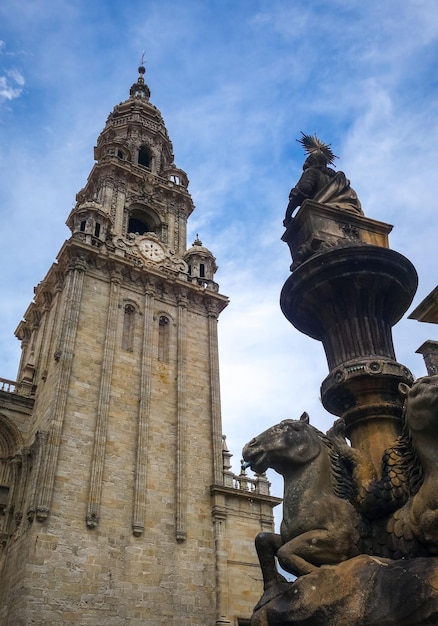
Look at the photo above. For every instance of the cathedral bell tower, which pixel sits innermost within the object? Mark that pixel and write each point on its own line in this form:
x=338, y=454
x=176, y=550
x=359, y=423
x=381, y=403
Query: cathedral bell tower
x=135, y=195
x=118, y=501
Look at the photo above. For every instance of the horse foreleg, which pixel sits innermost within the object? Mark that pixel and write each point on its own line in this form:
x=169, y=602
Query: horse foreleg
x=267, y=546
x=305, y=553
x=294, y=563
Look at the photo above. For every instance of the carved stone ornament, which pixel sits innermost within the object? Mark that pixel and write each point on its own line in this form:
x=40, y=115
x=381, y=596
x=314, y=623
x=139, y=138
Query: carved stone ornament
x=92, y=520
x=318, y=227
x=149, y=249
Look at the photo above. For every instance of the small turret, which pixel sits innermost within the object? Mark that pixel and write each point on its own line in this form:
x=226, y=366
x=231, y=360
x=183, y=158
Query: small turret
x=88, y=221
x=202, y=264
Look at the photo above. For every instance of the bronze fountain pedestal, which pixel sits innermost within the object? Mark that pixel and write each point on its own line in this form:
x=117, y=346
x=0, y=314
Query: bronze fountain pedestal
x=347, y=290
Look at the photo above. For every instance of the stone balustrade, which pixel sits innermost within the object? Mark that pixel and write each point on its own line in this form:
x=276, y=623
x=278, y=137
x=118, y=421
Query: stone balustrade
x=7, y=385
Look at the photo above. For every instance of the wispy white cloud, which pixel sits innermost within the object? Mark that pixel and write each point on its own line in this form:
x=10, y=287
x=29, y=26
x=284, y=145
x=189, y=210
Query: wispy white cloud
x=11, y=85
x=11, y=79
x=10, y=88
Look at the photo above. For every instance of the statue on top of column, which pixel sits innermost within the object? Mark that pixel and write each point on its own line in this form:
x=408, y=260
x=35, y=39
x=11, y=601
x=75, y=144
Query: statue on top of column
x=321, y=183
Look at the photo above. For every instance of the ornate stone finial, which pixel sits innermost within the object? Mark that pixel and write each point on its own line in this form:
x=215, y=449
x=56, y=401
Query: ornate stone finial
x=197, y=241
x=228, y=474
x=140, y=89
x=226, y=454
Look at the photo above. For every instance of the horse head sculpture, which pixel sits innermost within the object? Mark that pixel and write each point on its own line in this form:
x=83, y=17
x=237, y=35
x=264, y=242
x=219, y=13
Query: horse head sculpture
x=283, y=446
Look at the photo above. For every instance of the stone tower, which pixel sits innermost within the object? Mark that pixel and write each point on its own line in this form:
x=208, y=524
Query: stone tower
x=118, y=501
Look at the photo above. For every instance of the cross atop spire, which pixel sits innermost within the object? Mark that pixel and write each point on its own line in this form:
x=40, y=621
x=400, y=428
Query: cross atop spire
x=140, y=89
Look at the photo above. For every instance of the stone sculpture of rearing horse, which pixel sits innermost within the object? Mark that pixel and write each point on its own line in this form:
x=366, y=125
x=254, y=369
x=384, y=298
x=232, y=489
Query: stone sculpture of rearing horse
x=319, y=525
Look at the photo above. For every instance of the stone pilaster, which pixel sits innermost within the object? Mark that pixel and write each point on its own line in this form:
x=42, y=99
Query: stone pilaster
x=219, y=526
x=100, y=435
x=22, y=486
x=215, y=402
x=13, y=495
x=181, y=422
x=39, y=365
x=39, y=449
x=140, y=487
x=64, y=355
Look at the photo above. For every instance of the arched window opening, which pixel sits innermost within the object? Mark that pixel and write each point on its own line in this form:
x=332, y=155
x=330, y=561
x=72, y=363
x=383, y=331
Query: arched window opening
x=4, y=497
x=190, y=270
x=120, y=154
x=136, y=225
x=128, y=328
x=175, y=179
x=201, y=270
x=163, y=338
x=142, y=219
x=144, y=156
x=83, y=225
x=97, y=229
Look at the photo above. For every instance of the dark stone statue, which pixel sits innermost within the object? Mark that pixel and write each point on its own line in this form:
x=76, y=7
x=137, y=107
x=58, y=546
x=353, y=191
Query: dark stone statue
x=359, y=546
x=320, y=182
x=315, y=499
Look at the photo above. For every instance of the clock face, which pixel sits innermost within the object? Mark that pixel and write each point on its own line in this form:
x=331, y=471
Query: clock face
x=151, y=250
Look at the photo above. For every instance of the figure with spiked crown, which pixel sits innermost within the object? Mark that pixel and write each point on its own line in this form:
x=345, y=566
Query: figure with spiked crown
x=321, y=183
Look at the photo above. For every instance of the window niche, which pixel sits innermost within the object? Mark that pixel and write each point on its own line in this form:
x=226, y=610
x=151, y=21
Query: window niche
x=145, y=156
x=163, y=338
x=128, y=327
x=4, y=497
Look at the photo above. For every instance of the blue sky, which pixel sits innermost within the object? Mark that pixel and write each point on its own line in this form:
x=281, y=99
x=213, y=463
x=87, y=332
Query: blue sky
x=236, y=82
